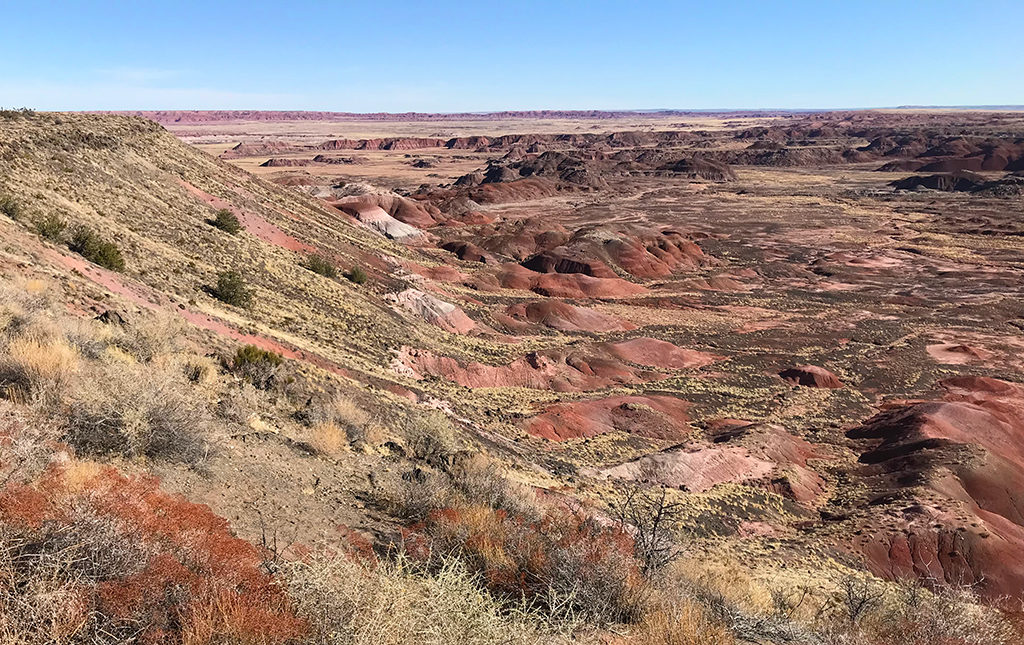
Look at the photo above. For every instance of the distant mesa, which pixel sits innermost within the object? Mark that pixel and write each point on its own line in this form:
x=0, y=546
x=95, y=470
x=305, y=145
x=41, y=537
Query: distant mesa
x=279, y=162
x=958, y=181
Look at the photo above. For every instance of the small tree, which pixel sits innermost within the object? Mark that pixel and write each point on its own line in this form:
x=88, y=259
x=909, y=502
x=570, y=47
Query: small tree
x=357, y=275
x=226, y=221
x=319, y=264
x=95, y=249
x=231, y=289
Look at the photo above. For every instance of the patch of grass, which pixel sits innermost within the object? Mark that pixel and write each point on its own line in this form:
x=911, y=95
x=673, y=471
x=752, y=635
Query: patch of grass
x=320, y=264
x=226, y=221
x=51, y=227
x=231, y=289
x=87, y=243
x=357, y=275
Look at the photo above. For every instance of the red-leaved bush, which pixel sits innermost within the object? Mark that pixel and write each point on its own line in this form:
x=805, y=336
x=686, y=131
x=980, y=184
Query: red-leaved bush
x=565, y=557
x=130, y=561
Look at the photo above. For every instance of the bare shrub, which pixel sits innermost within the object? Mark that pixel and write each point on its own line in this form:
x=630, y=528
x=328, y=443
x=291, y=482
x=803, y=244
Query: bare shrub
x=949, y=614
x=138, y=412
x=148, y=339
x=651, y=517
x=432, y=439
x=242, y=404
x=866, y=612
x=482, y=481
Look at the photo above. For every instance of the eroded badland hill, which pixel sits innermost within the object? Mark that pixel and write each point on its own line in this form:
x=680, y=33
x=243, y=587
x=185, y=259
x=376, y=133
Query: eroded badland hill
x=542, y=378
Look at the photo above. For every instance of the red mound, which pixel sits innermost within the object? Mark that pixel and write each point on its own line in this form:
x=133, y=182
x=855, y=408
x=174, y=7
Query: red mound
x=694, y=468
x=521, y=239
x=652, y=352
x=565, y=317
x=656, y=255
x=811, y=376
x=279, y=162
x=561, y=369
x=657, y=417
x=405, y=210
x=520, y=190
x=566, y=285
x=562, y=260
x=469, y=252
x=969, y=450
x=791, y=475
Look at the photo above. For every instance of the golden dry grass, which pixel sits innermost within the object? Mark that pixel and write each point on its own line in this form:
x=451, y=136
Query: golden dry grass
x=347, y=412
x=729, y=579
x=328, y=438
x=680, y=622
x=34, y=367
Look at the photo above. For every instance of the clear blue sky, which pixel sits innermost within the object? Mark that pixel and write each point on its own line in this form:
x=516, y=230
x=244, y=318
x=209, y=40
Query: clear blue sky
x=484, y=55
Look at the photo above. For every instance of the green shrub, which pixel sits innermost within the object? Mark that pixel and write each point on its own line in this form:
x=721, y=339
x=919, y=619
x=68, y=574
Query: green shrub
x=320, y=264
x=95, y=249
x=226, y=221
x=18, y=113
x=257, y=365
x=231, y=289
x=10, y=207
x=357, y=275
x=51, y=227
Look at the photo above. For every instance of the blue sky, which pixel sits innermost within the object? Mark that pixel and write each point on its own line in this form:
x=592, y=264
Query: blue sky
x=478, y=56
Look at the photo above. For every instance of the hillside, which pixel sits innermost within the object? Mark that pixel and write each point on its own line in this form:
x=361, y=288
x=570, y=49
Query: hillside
x=615, y=388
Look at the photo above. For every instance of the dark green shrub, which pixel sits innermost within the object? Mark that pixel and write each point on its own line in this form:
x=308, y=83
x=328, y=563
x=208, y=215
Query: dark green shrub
x=51, y=227
x=95, y=249
x=226, y=221
x=232, y=290
x=320, y=264
x=357, y=275
x=11, y=207
x=257, y=365
x=18, y=113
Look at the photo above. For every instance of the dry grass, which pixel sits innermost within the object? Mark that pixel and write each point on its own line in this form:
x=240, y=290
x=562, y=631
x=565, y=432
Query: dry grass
x=328, y=438
x=346, y=412
x=37, y=368
x=680, y=621
x=357, y=428
x=397, y=603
